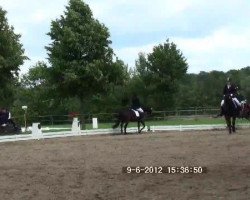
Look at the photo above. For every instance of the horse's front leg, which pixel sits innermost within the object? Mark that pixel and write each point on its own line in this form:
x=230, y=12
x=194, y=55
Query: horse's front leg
x=138, y=125
x=233, y=124
x=143, y=126
x=228, y=121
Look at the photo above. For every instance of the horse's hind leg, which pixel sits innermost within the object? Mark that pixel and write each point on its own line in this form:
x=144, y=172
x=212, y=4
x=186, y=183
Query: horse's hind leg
x=121, y=127
x=138, y=125
x=230, y=129
x=233, y=129
x=125, y=128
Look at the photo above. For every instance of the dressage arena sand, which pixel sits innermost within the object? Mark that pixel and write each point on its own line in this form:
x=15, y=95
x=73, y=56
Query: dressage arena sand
x=90, y=167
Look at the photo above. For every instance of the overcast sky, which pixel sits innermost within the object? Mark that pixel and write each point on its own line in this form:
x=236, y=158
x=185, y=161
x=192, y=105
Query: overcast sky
x=212, y=35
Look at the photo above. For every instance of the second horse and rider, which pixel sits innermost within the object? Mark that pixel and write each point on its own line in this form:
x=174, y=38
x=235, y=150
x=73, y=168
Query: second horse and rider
x=231, y=89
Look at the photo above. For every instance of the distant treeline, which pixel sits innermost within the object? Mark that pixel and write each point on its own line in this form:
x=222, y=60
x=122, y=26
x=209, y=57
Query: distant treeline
x=192, y=91
x=205, y=89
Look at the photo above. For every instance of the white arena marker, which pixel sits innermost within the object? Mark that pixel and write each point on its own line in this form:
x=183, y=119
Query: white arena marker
x=95, y=123
x=76, y=126
x=37, y=131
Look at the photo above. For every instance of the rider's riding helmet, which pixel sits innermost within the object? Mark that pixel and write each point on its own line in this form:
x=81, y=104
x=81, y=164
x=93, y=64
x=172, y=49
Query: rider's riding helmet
x=229, y=79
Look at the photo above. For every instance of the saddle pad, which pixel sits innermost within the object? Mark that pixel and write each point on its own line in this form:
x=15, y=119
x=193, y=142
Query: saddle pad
x=136, y=113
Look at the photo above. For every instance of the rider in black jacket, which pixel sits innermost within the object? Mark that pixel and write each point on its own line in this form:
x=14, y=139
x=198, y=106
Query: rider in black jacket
x=230, y=89
x=136, y=105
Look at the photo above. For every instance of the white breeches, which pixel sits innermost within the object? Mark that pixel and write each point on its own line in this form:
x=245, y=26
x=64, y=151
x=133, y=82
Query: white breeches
x=140, y=109
x=234, y=99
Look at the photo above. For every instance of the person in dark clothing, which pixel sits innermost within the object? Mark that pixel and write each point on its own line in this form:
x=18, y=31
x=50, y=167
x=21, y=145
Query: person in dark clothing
x=136, y=105
x=230, y=89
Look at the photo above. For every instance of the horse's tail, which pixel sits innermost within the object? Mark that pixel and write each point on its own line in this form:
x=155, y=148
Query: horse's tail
x=116, y=124
x=117, y=120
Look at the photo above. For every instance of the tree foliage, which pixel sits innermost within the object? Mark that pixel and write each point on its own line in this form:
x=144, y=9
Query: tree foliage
x=11, y=56
x=160, y=71
x=80, y=54
x=34, y=90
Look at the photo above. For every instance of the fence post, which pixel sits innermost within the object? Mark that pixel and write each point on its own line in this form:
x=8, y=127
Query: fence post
x=95, y=123
x=76, y=126
x=37, y=131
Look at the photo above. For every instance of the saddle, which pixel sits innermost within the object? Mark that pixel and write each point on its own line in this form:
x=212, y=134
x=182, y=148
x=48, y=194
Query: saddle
x=137, y=113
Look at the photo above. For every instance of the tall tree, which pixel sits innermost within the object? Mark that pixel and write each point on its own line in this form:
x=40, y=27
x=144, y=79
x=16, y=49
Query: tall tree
x=244, y=83
x=11, y=56
x=80, y=55
x=161, y=70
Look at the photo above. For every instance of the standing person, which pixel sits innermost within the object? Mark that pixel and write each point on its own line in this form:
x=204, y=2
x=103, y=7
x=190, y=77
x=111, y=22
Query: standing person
x=230, y=89
x=136, y=105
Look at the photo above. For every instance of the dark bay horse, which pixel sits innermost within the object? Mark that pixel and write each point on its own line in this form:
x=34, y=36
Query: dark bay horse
x=128, y=115
x=7, y=125
x=245, y=112
x=230, y=112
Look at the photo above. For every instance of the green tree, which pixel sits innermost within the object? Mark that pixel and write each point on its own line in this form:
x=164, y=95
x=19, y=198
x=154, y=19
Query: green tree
x=34, y=91
x=81, y=56
x=187, y=93
x=244, y=83
x=11, y=57
x=161, y=71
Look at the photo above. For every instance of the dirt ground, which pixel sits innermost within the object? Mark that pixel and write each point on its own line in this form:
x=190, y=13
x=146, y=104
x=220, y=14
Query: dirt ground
x=90, y=167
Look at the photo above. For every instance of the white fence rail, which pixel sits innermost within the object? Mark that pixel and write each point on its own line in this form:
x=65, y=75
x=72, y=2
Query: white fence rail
x=188, y=127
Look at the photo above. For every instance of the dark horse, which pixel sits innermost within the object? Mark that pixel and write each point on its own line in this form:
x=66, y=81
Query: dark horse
x=245, y=112
x=9, y=128
x=230, y=112
x=128, y=115
x=7, y=125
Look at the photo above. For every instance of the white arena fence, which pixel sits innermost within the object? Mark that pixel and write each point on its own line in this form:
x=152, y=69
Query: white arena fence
x=51, y=120
x=37, y=134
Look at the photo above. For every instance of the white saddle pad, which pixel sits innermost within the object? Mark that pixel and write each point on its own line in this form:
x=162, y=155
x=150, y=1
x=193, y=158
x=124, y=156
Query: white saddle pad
x=136, y=113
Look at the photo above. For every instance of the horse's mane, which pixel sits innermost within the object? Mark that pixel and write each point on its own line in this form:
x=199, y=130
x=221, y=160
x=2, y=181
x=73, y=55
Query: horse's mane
x=228, y=101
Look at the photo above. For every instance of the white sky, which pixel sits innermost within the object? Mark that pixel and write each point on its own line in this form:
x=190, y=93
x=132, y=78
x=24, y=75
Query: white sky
x=212, y=35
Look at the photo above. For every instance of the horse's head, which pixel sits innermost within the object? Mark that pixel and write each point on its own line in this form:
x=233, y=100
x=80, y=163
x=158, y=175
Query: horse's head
x=148, y=110
x=245, y=113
